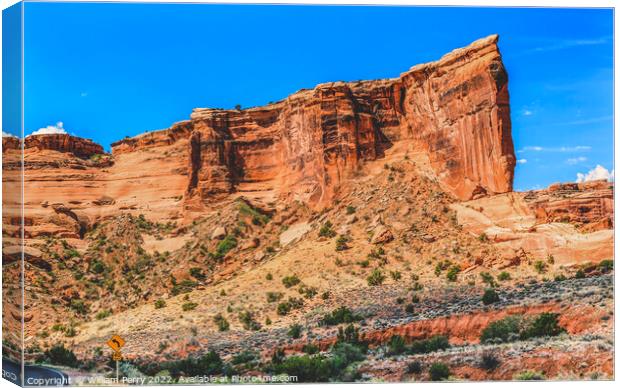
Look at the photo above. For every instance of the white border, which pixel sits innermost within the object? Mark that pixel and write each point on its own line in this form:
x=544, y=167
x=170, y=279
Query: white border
x=480, y=3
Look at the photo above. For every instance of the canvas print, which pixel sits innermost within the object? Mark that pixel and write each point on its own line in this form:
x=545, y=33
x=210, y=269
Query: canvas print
x=202, y=194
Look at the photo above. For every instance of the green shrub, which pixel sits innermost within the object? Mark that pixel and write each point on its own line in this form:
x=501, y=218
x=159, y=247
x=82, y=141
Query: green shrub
x=258, y=218
x=339, y=316
x=483, y=237
x=221, y=322
x=285, y=307
x=540, y=266
x=307, y=368
x=453, y=273
x=319, y=368
x=433, y=344
x=580, y=274
x=414, y=367
x=97, y=267
x=559, y=278
x=376, y=278
x=244, y=357
x=307, y=291
x=274, y=296
x=515, y=327
x=529, y=375
x=606, y=266
x=489, y=361
x=396, y=346
x=341, y=243
x=350, y=335
x=438, y=371
x=208, y=364
x=543, y=325
x=503, y=330
x=269, y=276
x=197, y=273
x=503, y=276
x=294, y=331
x=310, y=349
x=103, y=314
x=79, y=306
x=396, y=275
x=488, y=279
x=350, y=209
x=188, y=306
x=490, y=296
x=247, y=320
x=160, y=303
x=223, y=247
x=59, y=355
x=184, y=287
x=410, y=308
x=377, y=253
x=326, y=230
x=290, y=281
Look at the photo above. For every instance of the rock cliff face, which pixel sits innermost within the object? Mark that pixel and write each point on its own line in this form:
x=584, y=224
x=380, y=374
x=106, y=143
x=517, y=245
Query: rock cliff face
x=588, y=205
x=83, y=148
x=454, y=110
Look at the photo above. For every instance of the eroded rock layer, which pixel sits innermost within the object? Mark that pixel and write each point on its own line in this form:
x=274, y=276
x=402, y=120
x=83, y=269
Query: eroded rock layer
x=455, y=110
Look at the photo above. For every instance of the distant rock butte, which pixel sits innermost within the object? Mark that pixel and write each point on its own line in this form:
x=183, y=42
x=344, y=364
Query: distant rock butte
x=60, y=142
x=456, y=110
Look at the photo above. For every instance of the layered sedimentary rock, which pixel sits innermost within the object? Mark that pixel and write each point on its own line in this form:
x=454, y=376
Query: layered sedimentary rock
x=588, y=205
x=572, y=222
x=455, y=110
x=77, y=146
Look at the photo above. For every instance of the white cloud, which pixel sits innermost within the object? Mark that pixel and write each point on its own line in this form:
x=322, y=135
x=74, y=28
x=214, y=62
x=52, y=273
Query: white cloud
x=527, y=112
x=521, y=161
x=6, y=134
x=83, y=94
x=597, y=173
x=50, y=130
x=565, y=44
x=576, y=160
x=555, y=149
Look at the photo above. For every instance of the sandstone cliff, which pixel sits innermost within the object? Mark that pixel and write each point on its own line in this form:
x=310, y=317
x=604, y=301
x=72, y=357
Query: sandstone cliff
x=454, y=110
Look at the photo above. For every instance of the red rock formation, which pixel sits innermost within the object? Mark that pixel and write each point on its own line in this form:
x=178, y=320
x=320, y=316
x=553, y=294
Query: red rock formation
x=588, y=205
x=79, y=147
x=9, y=143
x=454, y=110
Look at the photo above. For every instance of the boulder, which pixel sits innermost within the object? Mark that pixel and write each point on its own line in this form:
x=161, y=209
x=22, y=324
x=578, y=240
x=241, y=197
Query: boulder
x=381, y=235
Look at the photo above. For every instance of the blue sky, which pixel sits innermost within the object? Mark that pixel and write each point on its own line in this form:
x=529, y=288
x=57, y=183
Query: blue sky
x=112, y=70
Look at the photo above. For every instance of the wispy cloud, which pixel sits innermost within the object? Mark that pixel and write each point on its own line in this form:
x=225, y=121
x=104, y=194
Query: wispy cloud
x=521, y=161
x=83, y=94
x=555, y=149
x=569, y=43
x=527, y=112
x=597, y=173
x=579, y=159
x=50, y=129
x=6, y=134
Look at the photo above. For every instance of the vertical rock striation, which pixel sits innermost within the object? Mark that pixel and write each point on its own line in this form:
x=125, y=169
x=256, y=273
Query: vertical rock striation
x=456, y=110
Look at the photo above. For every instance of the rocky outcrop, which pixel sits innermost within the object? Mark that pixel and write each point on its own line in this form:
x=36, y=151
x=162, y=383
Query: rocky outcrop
x=82, y=148
x=454, y=110
x=573, y=222
x=588, y=205
x=10, y=143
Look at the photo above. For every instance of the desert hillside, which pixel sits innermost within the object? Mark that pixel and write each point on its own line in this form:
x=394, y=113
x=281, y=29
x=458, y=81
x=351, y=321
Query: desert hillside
x=356, y=231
